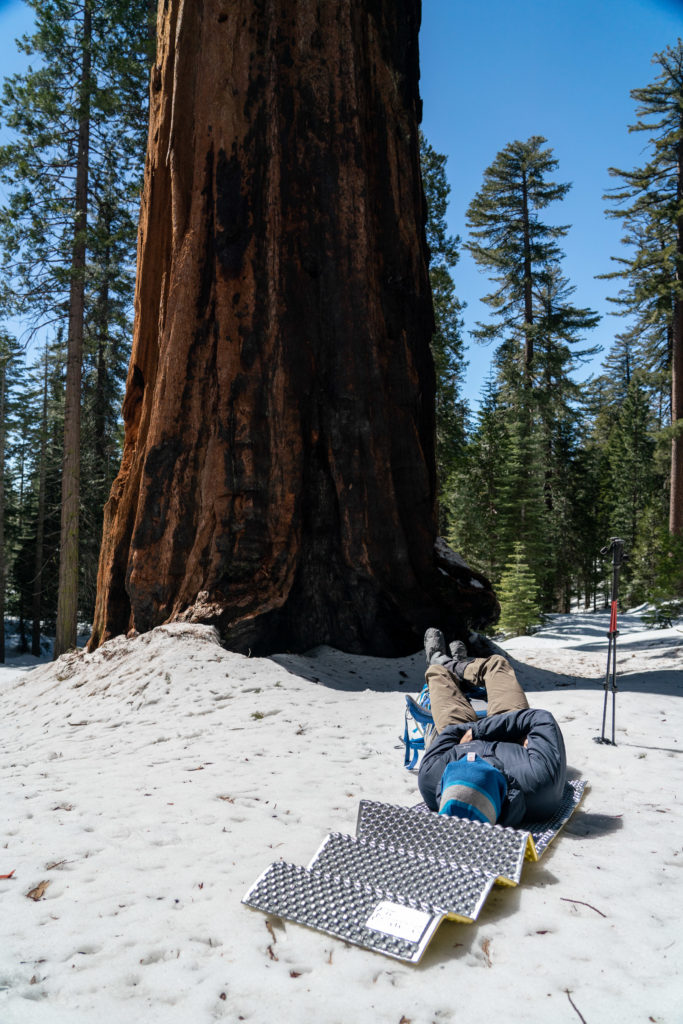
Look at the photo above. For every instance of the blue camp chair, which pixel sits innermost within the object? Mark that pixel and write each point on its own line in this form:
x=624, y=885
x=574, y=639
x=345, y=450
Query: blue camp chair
x=419, y=724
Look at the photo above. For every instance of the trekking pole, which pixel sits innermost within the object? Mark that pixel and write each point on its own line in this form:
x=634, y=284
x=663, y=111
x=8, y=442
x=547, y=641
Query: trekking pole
x=616, y=547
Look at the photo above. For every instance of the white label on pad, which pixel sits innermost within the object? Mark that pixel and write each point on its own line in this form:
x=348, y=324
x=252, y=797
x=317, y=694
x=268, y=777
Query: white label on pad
x=395, y=919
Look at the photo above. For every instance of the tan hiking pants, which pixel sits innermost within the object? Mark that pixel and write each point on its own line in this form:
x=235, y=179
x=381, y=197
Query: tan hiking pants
x=451, y=707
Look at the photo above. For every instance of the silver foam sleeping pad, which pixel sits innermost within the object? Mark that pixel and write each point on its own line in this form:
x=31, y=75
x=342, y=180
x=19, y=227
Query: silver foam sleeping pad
x=388, y=888
x=355, y=912
x=497, y=851
x=456, y=890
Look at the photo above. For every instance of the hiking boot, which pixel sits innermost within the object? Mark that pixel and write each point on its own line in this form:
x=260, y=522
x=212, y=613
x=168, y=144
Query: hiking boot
x=461, y=659
x=458, y=650
x=435, y=647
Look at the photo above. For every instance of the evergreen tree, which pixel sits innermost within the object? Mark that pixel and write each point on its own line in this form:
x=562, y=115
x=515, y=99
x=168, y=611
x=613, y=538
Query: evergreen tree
x=72, y=174
x=631, y=451
x=621, y=362
x=4, y=360
x=655, y=566
x=41, y=485
x=589, y=518
x=648, y=297
x=447, y=343
x=649, y=200
x=521, y=481
x=509, y=240
x=538, y=329
x=560, y=327
x=518, y=595
x=668, y=585
x=474, y=500
x=35, y=566
x=10, y=378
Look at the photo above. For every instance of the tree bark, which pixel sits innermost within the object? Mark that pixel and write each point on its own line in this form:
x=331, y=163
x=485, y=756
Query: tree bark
x=528, y=294
x=278, y=474
x=37, y=596
x=3, y=560
x=67, y=603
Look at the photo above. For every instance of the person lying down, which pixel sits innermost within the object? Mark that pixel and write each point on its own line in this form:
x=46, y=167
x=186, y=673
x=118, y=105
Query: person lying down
x=507, y=768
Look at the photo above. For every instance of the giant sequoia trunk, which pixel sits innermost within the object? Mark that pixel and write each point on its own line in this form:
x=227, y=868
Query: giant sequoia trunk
x=278, y=473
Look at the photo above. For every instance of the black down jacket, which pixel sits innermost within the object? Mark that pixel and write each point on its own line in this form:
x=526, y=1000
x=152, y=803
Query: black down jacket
x=536, y=774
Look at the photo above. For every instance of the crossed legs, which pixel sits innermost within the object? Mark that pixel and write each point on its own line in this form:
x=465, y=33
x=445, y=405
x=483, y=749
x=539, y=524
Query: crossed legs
x=451, y=707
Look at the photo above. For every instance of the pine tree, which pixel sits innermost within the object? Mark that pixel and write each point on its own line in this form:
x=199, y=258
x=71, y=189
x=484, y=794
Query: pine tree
x=67, y=609
x=589, y=517
x=447, y=343
x=510, y=241
x=539, y=330
x=518, y=595
x=631, y=450
x=649, y=200
x=3, y=444
x=474, y=499
x=648, y=297
x=73, y=172
x=523, y=513
x=560, y=327
x=9, y=357
x=648, y=577
x=35, y=453
x=41, y=472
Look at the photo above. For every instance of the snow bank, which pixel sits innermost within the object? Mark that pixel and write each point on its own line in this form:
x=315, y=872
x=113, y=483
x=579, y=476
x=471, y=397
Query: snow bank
x=150, y=783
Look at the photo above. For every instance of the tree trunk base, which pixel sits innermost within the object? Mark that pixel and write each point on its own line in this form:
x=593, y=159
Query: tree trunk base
x=356, y=616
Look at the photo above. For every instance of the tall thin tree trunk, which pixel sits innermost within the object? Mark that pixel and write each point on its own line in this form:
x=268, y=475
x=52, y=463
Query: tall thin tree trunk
x=278, y=476
x=67, y=603
x=40, y=525
x=528, y=297
x=676, y=497
x=22, y=642
x=676, y=500
x=3, y=560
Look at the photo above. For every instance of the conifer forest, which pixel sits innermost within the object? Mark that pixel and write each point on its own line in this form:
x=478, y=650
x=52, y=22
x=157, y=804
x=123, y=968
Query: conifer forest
x=533, y=476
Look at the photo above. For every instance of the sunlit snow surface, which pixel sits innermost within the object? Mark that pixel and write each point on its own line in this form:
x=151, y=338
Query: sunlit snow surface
x=152, y=781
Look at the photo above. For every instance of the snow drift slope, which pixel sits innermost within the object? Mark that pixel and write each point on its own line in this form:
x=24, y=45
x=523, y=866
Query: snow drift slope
x=150, y=782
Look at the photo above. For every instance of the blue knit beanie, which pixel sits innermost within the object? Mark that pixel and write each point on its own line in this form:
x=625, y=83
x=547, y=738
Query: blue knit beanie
x=472, y=788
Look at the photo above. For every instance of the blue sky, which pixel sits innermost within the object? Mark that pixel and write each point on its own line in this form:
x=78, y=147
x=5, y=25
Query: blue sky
x=494, y=71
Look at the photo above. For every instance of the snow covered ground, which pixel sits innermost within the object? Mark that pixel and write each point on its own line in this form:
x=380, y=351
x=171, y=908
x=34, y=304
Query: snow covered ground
x=147, y=785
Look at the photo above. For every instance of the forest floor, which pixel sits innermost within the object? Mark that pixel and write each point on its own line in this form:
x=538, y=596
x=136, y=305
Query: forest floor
x=146, y=786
